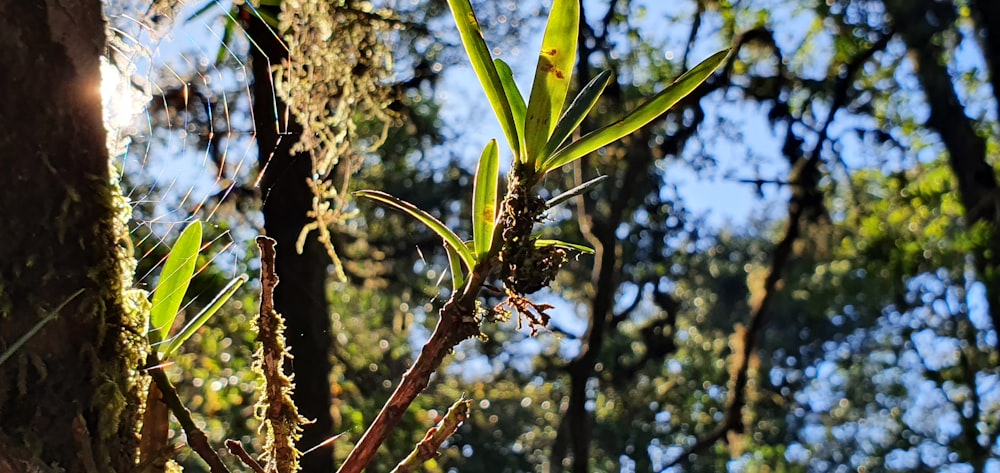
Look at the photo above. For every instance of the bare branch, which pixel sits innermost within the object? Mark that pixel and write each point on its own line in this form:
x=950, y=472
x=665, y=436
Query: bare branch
x=197, y=439
x=429, y=447
x=237, y=449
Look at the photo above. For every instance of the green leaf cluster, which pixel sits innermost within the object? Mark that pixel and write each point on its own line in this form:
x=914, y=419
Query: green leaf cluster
x=538, y=131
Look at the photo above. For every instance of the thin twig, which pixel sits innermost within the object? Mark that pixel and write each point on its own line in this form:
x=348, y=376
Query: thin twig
x=236, y=448
x=197, y=439
x=429, y=447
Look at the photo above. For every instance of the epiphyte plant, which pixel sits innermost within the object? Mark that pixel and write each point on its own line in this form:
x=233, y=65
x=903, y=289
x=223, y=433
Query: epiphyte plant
x=537, y=133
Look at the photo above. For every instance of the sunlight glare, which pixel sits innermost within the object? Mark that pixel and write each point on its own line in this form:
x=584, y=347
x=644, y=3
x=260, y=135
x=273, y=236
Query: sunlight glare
x=122, y=103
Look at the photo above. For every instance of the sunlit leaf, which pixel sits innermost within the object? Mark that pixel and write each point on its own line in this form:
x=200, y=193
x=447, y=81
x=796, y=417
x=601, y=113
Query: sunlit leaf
x=484, y=200
x=514, y=97
x=174, y=281
x=457, y=273
x=563, y=244
x=482, y=64
x=224, y=295
x=642, y=115
x=427, y=219
x=576, y=112
x=552, y=76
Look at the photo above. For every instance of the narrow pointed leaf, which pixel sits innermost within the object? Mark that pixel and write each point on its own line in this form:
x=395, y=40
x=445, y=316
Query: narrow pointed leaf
x=642, y=115
x=580, y=189
x=201, y=11
x=227, y=39
x=563, y=244
x=575, y=114
x=427, y=219
x=552, y=76
x=482, y=64
x=484, y=200
x=514, y=98
x=174, y=281
x=266, y=16
x=457, y=273
x=224, y=295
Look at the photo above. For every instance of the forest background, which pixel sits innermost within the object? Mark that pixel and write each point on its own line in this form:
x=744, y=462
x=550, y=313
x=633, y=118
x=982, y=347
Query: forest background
x=795, y=269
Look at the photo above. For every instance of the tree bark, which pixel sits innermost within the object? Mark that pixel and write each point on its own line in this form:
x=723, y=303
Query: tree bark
x=301, y=295
x=70, y=395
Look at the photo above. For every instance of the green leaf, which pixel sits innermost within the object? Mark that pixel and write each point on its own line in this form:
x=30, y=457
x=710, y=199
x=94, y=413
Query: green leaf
x=577, y=111
x=267, y=16
x=455, y=262
x=427, y=219
x=642, y=115
x=563, y=244
x=484, y=200
x=552, y=76
x=482, y=63
x=580, y=189
x=227, y=38
x=221, y=298
x=201, y=11
x=174, y=281
x=514, y=98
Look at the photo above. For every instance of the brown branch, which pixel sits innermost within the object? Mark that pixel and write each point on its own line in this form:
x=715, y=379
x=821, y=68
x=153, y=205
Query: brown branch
x=236, y=448
x=429, y=447
x=280, y=418
x=457, y=322
x=197, y=439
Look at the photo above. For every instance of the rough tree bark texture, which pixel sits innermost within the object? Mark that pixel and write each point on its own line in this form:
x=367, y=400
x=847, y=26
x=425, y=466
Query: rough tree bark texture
x=301, y=295
x=70, y=396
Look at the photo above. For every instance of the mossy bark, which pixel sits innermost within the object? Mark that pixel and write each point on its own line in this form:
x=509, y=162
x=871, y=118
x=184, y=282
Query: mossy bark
x=70, y=396
x=301, y=296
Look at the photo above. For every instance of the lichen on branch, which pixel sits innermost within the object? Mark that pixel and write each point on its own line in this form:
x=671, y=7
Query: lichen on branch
x=281, y=423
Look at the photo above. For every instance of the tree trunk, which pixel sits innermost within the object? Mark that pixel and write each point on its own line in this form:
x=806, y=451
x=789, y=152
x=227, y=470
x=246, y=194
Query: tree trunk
x=301, y=294
x=70, y=395
x=918, y=25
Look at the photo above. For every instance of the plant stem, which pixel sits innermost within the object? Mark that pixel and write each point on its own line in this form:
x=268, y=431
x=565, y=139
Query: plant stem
x=457, y=323
x=196, y=438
